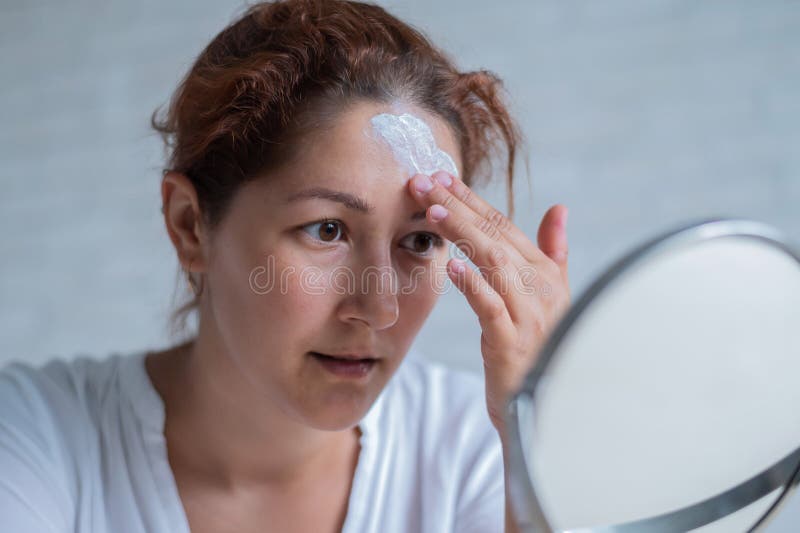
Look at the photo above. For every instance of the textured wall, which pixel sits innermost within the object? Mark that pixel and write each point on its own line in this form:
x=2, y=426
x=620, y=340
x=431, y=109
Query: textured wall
x=639, y=116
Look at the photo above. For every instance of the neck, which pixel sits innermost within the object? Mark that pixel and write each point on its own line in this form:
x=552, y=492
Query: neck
x=221, y=429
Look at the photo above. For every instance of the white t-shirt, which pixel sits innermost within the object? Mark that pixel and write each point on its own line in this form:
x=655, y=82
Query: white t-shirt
x=82, y=449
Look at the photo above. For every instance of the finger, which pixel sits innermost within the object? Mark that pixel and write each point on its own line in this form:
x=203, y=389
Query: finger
x=552, y=236
x=478, y=238
x=515, y=236
x=498, y=262
x=493, y=315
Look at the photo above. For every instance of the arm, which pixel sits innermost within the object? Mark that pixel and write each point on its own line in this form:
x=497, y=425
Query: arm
x=511, y=524
x=519, y=291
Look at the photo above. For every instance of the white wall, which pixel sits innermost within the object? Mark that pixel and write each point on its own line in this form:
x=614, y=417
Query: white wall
x=640, y=115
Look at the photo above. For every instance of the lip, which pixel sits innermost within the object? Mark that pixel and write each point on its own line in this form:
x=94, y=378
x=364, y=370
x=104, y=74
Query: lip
x=348, y=356
x=345, y=368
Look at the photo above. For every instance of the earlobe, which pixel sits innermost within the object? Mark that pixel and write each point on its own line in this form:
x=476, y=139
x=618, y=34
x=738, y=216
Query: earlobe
x=183, y=220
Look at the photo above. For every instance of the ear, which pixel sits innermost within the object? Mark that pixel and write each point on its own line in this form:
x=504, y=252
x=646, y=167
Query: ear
x=184, y=220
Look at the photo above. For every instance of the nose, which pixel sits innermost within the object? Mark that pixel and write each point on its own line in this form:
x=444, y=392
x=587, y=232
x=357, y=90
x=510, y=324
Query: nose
x=373, y=299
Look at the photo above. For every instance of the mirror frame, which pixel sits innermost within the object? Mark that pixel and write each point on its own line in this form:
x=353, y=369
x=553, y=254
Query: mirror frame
x=527, y=508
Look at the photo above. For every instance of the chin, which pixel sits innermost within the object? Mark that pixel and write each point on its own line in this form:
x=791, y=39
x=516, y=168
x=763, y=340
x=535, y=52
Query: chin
x=339, y=412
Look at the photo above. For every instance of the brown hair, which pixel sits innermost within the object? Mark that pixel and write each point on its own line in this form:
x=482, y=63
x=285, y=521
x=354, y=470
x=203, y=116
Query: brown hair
x=286, y=68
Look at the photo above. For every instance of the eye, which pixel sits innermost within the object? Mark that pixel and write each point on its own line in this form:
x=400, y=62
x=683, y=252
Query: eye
x=423, y=243
x=324, y=230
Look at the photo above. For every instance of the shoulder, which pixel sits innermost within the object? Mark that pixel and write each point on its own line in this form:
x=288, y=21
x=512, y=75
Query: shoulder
x=56, y=405
x=45, y=434
x=58, y=387
x=55, y=411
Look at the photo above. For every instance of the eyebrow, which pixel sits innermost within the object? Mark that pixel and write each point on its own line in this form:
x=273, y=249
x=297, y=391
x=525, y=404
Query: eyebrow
x=348, y=200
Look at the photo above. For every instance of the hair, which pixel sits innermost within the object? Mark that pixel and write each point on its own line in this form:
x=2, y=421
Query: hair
x=285, y=69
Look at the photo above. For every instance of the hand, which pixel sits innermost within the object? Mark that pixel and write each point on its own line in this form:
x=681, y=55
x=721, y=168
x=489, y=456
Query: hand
x=520, y=290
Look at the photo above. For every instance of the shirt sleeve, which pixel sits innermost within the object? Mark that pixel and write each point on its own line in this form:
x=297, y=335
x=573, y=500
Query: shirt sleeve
x=32, y=489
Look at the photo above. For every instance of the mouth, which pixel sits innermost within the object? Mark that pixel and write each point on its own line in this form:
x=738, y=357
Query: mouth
x=351, y=366
x=346, y=357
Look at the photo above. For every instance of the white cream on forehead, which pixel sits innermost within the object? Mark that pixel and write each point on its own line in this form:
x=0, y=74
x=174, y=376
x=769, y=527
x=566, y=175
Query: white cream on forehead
x=413, y=144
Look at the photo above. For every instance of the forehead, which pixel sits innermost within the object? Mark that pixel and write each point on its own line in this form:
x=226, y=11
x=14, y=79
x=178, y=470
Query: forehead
x=354, y=149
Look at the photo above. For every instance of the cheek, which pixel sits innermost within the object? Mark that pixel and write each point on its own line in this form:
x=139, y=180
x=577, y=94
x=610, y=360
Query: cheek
x=268, y=300
x=414, y=310
x=287, y=291
x=424, y=281
x=417, y=299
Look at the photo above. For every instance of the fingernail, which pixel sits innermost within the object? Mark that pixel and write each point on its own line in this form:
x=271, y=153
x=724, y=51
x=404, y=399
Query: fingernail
x=443, y=178
x=422, y=183
x=457, y=266
x=438, y=212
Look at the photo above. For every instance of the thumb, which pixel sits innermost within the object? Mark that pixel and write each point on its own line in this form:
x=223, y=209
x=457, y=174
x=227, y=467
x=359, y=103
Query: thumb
x=552, y=236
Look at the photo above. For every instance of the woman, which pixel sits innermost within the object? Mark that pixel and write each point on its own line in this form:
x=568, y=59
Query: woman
x=320, y=152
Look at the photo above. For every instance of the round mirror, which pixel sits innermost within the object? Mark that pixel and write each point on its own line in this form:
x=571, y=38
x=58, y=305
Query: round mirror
x=666, y=398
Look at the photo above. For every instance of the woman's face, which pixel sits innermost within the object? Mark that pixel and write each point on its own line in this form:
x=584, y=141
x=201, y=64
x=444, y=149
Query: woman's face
x=282, y=284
